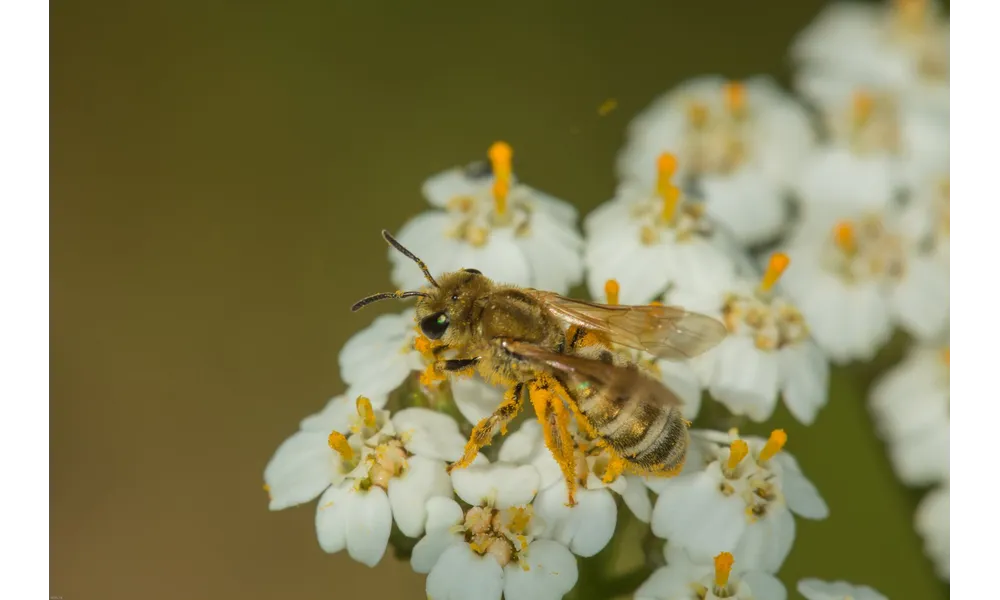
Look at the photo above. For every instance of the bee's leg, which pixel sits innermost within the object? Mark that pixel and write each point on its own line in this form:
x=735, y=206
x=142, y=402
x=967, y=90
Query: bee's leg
x=554, y=417
x=581, y=421
x=616, y=466
x=460, y=364
x=482, y=433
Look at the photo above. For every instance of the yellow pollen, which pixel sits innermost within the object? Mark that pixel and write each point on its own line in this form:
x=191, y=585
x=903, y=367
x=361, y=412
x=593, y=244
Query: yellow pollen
x=501, y=187
x=697, y=114
x=723, y=567
x=946, y=356
x=774, y=445
x=666, y=166
x=338, y=443
x=738, y=450
x=611, y=290
x=844, y=237
x=863, y=106
x=607, y=107
x=364, y=407
x=775, y=267
x=267, y=488
x=736, y=97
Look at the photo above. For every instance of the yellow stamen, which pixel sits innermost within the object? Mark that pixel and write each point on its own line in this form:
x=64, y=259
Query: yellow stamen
x=364, y=406
x=774, y=445
x=738, y=450
x=607, y=107
x=697, y=114
x=666, y=166
x=501, y=187
x=339, y=444
x=844, y=237
x=611, y=290
x=864, y=105
x=723, y=567
x=736, y=97
x=946, y=356
x=500, y=154
x=267, y=488
x=775, y=267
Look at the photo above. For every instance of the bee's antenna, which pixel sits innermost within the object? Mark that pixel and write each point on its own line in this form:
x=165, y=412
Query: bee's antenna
x=385, y=296
x=392, y=242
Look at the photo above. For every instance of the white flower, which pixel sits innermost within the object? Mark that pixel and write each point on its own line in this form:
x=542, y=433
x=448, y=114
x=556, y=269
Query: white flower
x=872, y=135
x=768, y=351
x=737, y=498
x=741, y=141
x=683, y=579
x=911, y=406
x=856, y=278
x=933, y=524
x=380, y=358
x=491, y=548
x=491, y=222
x=370, y=470
x=814, y=589
x=927, y=216
x=587, y=527
x=904, y=43
x=650, y=237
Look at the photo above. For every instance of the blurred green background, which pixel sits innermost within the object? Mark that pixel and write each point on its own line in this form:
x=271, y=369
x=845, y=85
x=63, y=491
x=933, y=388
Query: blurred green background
x=220, y=172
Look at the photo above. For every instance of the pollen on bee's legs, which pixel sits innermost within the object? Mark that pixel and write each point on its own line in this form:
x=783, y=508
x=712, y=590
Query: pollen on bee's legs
x=554, y=418
x=581, y=420
x=616, y=466
x=482, y=433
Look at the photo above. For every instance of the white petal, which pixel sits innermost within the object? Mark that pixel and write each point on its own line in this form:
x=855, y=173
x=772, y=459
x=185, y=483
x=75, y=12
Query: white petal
x=331, y=518
x=814, y=589
x=801, y=495
x=300, y=469
x=637, y=498
x=805, y=376
x=683, y=381
x=672, y=582
x=764, y=586
x=460, y=574
x=335, y=416
x=746, y=378
x=746, y=203
x=586, y=527
x=440, y=188
x=555, y=257
x=429, y=433
x=408, y=493
x=551, y=573
x=526, y=446
x=374, y=361
x=504, y=485
x=475, y=398
x=692, y=513
x=921, y=301
x=766, y=542
x=369, y=522
x=636, y=267
x=429, y=549
x=500, y=258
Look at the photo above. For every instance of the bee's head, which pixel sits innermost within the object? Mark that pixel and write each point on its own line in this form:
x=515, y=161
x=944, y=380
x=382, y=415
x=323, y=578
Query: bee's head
x=443, y=307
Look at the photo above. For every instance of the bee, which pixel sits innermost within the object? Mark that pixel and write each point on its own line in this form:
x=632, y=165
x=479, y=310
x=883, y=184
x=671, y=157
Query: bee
x=558, y=355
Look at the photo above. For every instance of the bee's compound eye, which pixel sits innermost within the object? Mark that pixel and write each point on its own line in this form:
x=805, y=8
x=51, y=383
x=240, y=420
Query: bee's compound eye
x=434, y=325
x=476, y=271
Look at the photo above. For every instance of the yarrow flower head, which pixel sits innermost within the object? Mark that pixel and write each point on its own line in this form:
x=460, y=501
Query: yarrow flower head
x=493, y=547
x=683, y=579
x=904, y=43
x=814, y=589
x=484, y=218
x=370, y=469
x=769, y=348
x=650, y=238
x=740, y=141
x=911, y=405
x=588, y=526
x=854, y=279
x=736, y=494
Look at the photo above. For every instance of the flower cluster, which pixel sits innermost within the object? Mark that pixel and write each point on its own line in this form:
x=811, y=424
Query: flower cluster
x=810, y=236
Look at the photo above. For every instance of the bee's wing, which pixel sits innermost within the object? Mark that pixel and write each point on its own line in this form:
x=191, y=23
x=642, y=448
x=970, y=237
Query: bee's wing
x=613, y=379
x=668, y=332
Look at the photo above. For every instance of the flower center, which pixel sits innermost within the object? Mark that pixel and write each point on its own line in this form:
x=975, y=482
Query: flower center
x=918, y=27
x=668, y=211
x=502, y=534
x=772, y=321
x=864, y=250
x=751, y=478
x=388, y=461
x=502, y=203
x=717, y=143
x=871, y=125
